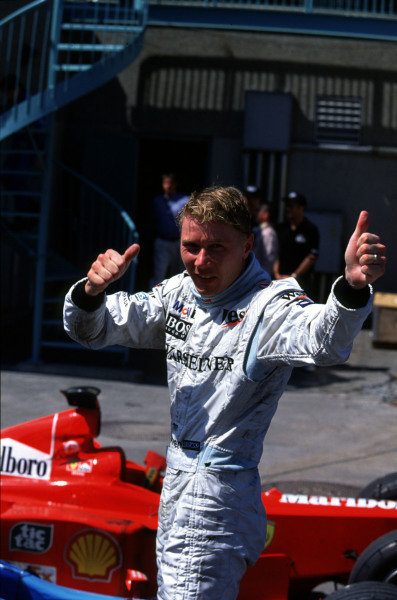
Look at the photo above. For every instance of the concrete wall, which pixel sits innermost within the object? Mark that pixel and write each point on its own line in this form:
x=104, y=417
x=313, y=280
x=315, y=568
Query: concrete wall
x=302, y=50
x=192, y=82
x=349, y=182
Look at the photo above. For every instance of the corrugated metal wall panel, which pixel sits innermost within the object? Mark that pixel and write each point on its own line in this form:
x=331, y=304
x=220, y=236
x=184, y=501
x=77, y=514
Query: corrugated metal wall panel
x=220, y=89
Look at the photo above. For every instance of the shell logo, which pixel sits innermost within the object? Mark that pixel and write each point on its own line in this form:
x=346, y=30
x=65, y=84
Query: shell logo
x=93, y=555
x=270, y=531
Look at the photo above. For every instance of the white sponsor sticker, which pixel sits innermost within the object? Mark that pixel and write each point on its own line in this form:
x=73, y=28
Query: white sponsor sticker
x=335, y=501
x=20, y=460
x=31, y=537
x=43, y=571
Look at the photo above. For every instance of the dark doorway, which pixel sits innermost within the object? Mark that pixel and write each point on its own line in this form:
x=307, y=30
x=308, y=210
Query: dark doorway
x=188, y=160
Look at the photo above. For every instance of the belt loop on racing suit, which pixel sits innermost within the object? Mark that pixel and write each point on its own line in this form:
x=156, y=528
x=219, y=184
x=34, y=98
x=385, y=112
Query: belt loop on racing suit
x=183, y=458
x=217, y=458
x=187, y=455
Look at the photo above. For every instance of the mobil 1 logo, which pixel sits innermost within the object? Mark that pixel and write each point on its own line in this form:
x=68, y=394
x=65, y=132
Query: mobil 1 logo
x=177, y=327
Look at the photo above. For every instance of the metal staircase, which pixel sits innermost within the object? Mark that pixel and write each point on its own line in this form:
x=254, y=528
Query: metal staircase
x=51, y=53
x=54, y=51
x=47, y=247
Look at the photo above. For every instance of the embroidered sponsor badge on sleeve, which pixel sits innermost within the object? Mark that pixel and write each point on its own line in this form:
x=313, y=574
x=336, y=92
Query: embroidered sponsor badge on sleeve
x=141, y=296
x=297, y=297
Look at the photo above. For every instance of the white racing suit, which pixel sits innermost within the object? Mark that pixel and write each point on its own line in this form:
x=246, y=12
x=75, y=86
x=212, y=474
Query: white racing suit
x=229, y=359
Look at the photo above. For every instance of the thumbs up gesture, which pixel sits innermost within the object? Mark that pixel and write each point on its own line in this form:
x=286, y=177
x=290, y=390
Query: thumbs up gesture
x=107, y=268
x=365, y=256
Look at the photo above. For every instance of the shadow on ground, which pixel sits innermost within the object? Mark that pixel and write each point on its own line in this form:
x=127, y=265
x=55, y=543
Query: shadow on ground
x=315, y=488
x=144, y=367
x=313, y=377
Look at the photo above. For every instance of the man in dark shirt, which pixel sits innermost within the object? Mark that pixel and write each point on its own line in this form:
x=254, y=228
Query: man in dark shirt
x=167, y=260
x=298, y=243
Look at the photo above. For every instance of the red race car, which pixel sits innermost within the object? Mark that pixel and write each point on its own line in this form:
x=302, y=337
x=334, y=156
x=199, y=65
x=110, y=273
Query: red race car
x=83, y=516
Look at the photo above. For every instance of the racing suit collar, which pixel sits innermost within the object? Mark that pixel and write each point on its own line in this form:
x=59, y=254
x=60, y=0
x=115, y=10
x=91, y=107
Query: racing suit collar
x=253, y=274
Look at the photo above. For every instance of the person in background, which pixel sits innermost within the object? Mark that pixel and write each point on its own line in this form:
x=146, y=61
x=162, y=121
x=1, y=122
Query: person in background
x=253, y=199
x=265, y=245
x=167, y=259
x=298, y=240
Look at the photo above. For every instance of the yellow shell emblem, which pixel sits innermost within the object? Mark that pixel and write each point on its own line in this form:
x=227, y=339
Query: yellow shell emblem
x=93, y=555
x=271, y=528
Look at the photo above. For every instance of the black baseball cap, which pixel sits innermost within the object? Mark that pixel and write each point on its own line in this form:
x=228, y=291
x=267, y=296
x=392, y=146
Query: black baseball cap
x=296, y=198
x=251, y=191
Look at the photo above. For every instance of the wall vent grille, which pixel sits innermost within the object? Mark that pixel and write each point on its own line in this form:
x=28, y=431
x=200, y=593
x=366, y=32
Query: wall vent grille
x=338, y=119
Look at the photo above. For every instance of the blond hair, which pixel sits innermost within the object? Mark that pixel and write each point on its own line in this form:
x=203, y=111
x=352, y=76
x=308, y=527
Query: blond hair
x=218, y=205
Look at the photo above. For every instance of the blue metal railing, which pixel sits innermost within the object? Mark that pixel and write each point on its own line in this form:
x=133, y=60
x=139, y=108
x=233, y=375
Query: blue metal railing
x=363, y=19
x=382, y=8
x=47, y=47
x=53, y=52
x=91, y=205
x=84, y=219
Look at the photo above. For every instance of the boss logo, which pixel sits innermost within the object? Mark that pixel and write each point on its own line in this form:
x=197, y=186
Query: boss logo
x=176, y=327
x=191, y=445
x=232, y=317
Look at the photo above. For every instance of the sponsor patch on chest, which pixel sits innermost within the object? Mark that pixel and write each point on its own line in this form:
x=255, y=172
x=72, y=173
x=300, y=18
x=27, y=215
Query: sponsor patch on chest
x=178, y=328
x=232, y=317
x=187, y=311
x=199, y=363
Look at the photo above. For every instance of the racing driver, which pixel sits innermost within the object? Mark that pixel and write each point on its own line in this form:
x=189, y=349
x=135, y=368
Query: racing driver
x=232, y=337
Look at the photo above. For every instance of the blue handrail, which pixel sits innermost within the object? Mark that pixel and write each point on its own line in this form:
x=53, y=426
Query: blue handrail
x=124, y=215
x=364, y=19
x=42, y=66
x=21, y=11
x=355, y=8
x=102, y=223
x=132, y=235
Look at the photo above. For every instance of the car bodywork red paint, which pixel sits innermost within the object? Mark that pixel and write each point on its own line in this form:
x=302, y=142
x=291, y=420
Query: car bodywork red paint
x=85, y=517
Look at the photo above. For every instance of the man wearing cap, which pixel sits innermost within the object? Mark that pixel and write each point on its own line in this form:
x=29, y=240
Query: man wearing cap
x=298, y=243
x=253, y=198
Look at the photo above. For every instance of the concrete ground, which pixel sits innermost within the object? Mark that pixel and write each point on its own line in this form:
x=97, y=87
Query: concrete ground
x=335, y=429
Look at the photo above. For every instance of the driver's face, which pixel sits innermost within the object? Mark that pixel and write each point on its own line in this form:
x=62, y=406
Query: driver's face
x=214, y=254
